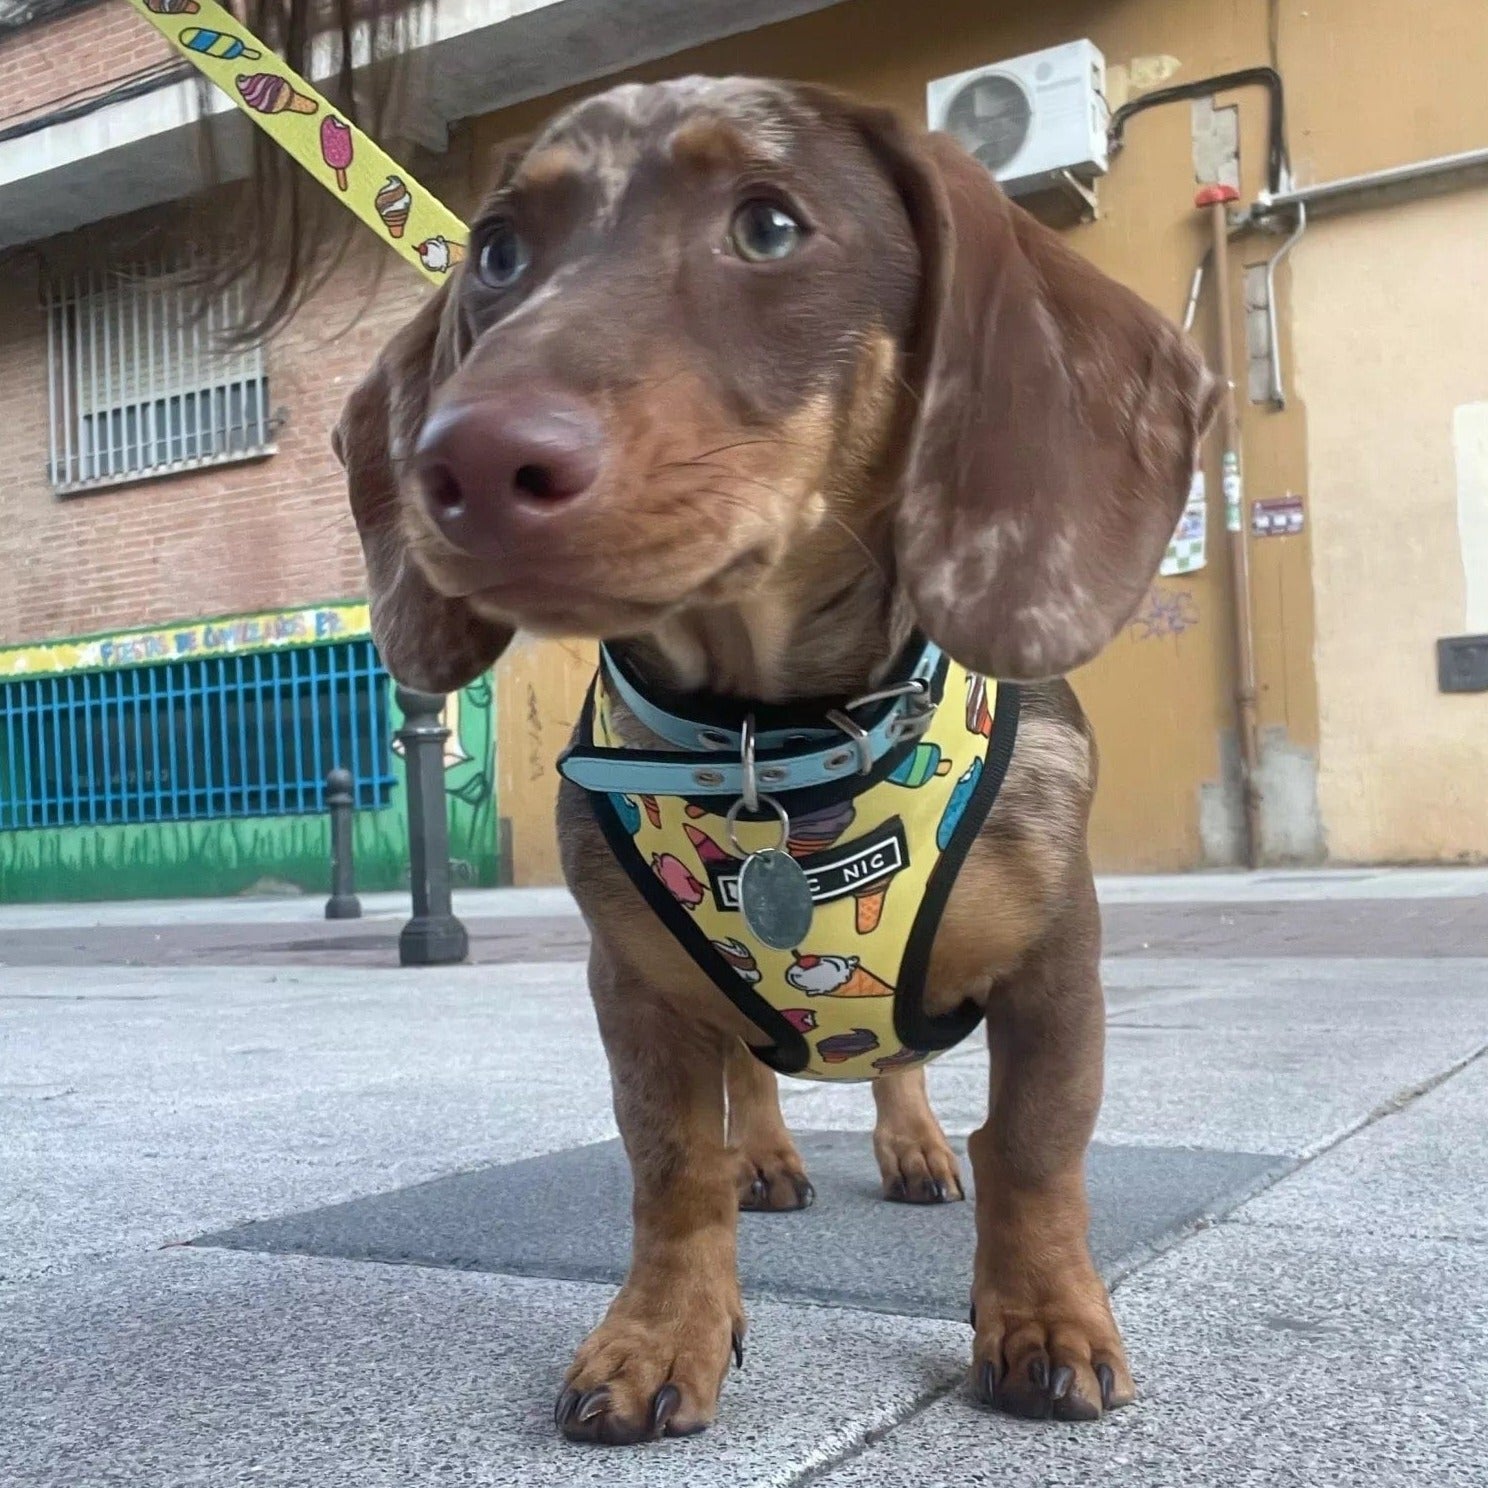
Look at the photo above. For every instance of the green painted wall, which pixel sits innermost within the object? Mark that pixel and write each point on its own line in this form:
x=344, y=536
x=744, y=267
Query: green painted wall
x=264, y=854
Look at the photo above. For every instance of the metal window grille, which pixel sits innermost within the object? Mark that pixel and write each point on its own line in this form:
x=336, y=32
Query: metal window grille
x=221, y=736
x=139, y=386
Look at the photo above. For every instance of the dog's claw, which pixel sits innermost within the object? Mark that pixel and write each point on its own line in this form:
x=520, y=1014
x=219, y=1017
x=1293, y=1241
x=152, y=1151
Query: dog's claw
x=971, y=1315
x=664, y=1407
x=987, y=1383
x=897, y=1193
x=1107, y=1377
x=1038, y=1373
x=593, y=1403
x=805, y=1193
x=1059, y=1385
x=563, y=1407
x=737, y=1339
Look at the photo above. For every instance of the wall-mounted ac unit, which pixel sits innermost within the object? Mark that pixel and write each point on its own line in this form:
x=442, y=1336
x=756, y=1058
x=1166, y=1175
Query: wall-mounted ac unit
x=1029, y=119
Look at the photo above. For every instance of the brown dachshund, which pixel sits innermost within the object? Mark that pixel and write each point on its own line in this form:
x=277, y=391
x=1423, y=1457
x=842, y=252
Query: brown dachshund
x=753, y=381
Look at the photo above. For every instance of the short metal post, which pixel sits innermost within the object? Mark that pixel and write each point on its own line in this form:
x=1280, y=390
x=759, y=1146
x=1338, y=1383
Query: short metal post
x=341, y=803
x=433, y=937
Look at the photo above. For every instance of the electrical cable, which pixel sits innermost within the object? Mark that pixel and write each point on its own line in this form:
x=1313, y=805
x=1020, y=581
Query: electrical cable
x=1277, y=159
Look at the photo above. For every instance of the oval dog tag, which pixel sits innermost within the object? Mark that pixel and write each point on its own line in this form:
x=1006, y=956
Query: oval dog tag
x=775, y=898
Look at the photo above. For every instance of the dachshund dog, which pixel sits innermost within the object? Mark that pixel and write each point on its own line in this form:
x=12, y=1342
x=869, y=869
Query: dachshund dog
x=755, y=383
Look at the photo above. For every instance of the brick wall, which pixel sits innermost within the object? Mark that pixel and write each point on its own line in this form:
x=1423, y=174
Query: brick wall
x=232, y=538
x=77, y=54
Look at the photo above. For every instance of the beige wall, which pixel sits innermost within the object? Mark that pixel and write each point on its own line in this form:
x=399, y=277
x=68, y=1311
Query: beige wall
x=1391, y=335
x=1389, y=324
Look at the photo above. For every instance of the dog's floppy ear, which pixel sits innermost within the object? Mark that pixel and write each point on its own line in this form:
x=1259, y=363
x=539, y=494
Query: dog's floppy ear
x=426, y=640
x=1056, y=433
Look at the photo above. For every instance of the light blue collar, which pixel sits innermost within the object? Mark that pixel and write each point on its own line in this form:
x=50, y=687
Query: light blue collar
x=709, y=758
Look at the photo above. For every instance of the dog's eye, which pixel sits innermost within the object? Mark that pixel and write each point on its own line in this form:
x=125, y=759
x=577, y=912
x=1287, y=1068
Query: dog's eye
x=503, y=256
x=762, y=231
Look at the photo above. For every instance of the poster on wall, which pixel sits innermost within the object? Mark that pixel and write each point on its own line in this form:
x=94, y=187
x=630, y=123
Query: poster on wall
x=1186, y=548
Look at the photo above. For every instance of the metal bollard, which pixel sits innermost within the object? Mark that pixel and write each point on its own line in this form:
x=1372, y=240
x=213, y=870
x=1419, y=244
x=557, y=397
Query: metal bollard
x=433, y=937
x=341, y=803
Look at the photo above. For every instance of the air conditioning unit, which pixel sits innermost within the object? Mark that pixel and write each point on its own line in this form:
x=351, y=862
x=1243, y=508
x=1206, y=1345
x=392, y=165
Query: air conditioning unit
x=1030, y=119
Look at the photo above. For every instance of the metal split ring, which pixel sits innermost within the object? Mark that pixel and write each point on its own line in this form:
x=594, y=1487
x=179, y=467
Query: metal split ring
x=731, y=821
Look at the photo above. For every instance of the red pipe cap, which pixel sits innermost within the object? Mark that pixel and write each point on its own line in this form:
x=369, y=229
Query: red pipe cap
x=1216, y=193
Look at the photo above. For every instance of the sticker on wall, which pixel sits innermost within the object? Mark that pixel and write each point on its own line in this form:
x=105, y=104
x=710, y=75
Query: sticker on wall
x=1278, y=516
x=1186, y=549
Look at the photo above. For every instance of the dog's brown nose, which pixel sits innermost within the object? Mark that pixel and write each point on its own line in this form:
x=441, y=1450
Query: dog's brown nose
x=489, y=464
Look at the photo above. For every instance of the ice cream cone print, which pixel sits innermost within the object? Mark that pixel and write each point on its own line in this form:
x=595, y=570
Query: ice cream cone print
x=266, y=94
x=708, y=850
x=394, y=202
x=217, y=43
x=739, y=958
x=900, y=1059
x=924, y=762
x=868, y=906
x=439, y=255
x=172, y=7
x=653, y=811
x=978, y=715
x=818, y=830
x=834, y=976
x=841, y=1047
x=335, y=146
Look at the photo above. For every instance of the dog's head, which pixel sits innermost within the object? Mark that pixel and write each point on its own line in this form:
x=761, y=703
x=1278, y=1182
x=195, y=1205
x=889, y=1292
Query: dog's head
x=701, y=327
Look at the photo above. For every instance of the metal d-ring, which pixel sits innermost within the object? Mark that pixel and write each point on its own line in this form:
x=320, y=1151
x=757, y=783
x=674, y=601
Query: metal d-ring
x=731, y=820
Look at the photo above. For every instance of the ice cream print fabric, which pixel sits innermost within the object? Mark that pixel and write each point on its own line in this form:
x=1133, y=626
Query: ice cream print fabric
x=879, y=864
x=345, y=161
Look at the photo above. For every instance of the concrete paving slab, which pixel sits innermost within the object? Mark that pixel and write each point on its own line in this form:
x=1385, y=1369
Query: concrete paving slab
x=1293, y=884
x=567, y=1215
x=1252, y=1056
x=141, y=1107
x=220, y=1368
x=289, y=909
x=1420, y=1172
x=1262, y=1358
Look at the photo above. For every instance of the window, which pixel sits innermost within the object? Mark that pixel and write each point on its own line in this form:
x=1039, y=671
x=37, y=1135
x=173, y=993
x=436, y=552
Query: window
x=138, y=387
x=222, y=736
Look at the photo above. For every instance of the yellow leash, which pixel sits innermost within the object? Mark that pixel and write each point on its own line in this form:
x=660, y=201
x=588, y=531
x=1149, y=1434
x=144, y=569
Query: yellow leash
x=352, y=167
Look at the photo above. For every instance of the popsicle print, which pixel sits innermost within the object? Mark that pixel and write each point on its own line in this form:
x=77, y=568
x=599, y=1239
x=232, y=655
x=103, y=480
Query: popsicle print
x=335, y=146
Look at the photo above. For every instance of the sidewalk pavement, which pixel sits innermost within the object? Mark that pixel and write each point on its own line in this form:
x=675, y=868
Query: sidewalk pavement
x=277, y=1213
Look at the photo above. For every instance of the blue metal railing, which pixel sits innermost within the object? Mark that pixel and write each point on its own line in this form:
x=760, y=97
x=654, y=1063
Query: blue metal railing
x=223, y=736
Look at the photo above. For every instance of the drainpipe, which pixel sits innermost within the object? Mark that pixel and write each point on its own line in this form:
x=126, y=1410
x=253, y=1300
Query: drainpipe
x=1216, y=199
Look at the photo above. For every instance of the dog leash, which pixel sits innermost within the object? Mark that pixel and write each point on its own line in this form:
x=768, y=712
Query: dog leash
x=351, y=166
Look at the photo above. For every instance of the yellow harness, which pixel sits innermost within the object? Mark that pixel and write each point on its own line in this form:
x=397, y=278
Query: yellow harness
x=880, y=853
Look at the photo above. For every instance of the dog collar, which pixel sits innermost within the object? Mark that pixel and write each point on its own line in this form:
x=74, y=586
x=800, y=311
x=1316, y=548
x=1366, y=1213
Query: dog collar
x=726, y=748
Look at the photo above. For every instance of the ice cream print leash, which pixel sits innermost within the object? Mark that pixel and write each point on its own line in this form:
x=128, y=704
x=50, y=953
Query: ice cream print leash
x=343, y=159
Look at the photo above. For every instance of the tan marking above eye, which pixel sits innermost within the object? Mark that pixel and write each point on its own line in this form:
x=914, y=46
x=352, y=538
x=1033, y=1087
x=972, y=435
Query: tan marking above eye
x=712, y=144
x=548, y=167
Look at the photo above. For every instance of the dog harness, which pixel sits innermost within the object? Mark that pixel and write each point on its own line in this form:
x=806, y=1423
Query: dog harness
x=874, y=801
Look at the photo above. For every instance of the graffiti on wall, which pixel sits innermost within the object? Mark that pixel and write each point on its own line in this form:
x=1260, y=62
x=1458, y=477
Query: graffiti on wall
x=288, y=853
x=1165, y=612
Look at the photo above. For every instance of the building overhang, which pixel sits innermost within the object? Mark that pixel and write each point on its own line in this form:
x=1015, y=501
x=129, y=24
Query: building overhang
x=470, y=56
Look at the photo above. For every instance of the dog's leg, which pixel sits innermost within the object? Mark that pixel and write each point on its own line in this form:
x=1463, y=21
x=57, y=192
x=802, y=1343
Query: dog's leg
x=656, y=1363
x=914, y=1157
x=1046, y=1342
x=771, y=1173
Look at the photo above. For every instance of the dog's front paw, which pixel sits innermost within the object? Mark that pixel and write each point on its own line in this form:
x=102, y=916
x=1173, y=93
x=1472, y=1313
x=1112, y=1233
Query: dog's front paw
x=644, y=1374
x=1056, y=1356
